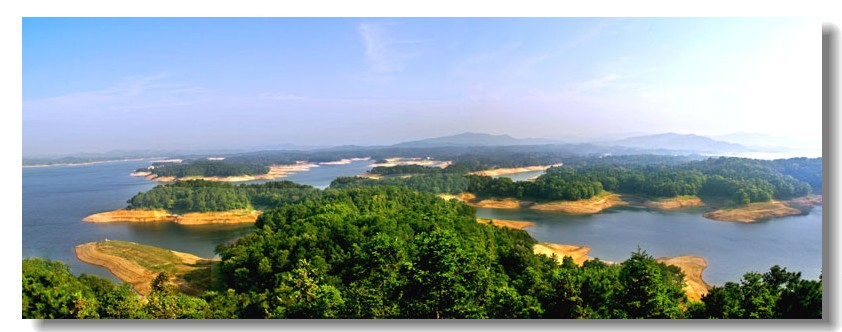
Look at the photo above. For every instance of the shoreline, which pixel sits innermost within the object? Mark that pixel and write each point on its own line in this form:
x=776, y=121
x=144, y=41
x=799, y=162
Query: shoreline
x=192, y=218
x=691, y=265
x=592, y=205
x=139, y=264
x=672, y=203
x=755, y=212
x=513, y=170
x=513, y=224
x=85, y=163
x=275, y=172
x=400, y=161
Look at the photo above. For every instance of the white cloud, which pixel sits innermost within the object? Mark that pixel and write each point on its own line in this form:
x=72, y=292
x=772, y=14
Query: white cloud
x=381, y=50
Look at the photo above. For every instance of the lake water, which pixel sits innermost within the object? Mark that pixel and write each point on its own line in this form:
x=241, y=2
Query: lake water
x=55, y=199
x=521, y=176
x=731, y=249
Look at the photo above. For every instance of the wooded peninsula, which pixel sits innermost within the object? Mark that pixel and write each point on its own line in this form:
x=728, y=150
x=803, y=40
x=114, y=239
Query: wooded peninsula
x=394, y=248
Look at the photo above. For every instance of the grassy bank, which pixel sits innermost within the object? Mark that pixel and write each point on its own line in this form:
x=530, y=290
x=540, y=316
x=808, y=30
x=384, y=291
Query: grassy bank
x=139, y=264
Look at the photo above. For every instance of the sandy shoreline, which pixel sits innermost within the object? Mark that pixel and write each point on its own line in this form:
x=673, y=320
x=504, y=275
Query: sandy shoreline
x=514, y=224
x=754, y=212
x=692, y=266
x=674, y=202
x=579, y=254
x=123, y=260
x=514, y=170
x=275, y=172
x=84, y=164
x=695, y=287
x=344, y=161
x=583, y=206
x=399, y=161
x=193, y=218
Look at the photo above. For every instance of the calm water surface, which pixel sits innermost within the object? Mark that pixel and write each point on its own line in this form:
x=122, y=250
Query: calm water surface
x=55, y=199
x=731, y=249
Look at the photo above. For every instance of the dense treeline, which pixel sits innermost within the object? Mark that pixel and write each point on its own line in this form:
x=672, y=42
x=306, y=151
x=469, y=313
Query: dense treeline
x=388, y=252
x=207, y=168
x=774, y=294
x=737, y=179
x=404, y=169
x=511, y=156
x=207, y=196
x=432, y=183
x=395, y=253
x=803, y=169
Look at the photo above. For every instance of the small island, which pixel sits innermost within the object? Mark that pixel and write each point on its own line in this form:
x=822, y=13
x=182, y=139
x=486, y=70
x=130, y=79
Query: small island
x=220, y=171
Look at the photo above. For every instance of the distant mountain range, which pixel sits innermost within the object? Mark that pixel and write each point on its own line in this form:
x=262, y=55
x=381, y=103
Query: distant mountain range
x=678, y=142
x=473, y=139
x=684, y=143
x=667, y=143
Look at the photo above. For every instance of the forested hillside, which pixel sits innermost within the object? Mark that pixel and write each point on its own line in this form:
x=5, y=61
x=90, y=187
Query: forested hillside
x=387, y=252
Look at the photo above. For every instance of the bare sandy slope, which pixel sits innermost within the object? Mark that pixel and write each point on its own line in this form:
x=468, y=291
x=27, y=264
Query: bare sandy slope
x=506, y=223
x=196, y=218
x=514, y=170
x=583, y=206
x=139, y=264
x=578, y=253
x=692, y=266
x=753, y=212
x=674, y=202
x=131, y=216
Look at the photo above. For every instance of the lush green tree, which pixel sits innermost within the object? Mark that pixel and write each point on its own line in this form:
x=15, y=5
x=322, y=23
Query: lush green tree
x=646, y=291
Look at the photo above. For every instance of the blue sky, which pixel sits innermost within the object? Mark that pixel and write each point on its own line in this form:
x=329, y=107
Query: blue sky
x=97, y=84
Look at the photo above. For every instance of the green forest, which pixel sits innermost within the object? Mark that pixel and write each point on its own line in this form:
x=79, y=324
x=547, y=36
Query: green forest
x=737, y=179
x=207, y=168
x=389, y=252
x=391, y=248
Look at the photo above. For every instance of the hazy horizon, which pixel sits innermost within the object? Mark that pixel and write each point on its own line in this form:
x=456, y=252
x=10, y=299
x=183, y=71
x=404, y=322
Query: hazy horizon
x=97, y=84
